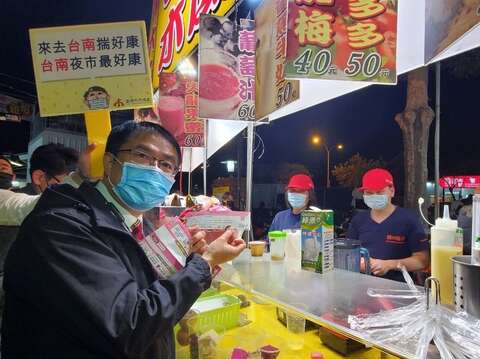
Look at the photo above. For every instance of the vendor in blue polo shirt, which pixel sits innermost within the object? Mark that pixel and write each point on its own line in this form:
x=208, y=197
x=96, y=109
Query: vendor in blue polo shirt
x=298, y=195
x=394, y=236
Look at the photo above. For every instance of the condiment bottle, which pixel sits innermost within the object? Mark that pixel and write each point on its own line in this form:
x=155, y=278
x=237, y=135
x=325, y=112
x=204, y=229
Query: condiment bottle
x=447, y=242
x=476, y=252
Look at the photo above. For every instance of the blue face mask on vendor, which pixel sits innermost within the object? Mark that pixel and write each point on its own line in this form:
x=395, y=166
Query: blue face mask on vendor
x=143, y=187
x=297, y=200
x=376, y=201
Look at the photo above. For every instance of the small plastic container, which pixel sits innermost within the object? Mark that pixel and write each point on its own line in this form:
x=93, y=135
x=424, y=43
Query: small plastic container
x=277, y=244
x=269, y=352
x=257, y=248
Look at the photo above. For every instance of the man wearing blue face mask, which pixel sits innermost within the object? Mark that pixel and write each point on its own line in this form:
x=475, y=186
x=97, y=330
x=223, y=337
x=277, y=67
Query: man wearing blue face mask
x=298, y=196
x=394, y=236
x=77, y=282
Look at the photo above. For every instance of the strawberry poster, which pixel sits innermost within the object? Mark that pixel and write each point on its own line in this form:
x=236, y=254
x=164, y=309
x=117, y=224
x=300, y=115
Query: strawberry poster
x=173, y=48
x=176, y=109
x=226, y=68
x=353, y=40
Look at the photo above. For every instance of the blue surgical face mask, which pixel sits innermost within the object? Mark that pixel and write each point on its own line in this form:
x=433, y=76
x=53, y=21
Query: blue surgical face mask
x=297, y=200
x=376, y=201
x=143, y=187
x=97, y=103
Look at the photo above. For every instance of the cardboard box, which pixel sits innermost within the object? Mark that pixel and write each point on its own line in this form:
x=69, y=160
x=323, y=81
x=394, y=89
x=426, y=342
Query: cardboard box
x=317, y=240
x=167, y=248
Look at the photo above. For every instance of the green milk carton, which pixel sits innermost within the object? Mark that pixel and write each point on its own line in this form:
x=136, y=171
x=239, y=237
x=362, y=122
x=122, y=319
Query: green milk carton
x=317, y=240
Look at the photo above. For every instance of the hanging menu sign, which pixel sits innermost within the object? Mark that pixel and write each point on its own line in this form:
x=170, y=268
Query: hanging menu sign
x=353, y=40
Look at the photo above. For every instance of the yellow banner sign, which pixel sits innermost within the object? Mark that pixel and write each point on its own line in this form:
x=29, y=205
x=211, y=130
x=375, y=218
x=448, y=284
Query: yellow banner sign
x=91, y=67
x=174, y=30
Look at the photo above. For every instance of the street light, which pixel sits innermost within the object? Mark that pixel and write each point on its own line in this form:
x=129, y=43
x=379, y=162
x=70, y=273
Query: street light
x=230, y=165
x=317, y=140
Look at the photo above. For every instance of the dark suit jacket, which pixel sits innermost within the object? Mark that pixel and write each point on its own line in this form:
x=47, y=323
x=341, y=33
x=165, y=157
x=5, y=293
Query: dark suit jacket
x=79, y=286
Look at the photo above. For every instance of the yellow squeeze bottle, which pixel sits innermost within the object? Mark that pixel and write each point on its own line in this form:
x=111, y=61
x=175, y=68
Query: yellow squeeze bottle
x=446, y=243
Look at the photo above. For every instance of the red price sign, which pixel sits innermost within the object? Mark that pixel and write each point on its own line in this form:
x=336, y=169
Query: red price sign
x=352, y=40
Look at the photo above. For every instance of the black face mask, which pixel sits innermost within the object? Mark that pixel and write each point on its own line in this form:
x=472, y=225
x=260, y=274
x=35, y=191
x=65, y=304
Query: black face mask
x=5, y=181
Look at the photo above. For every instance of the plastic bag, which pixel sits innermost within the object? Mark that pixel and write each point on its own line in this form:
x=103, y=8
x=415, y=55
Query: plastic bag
x=410, y=329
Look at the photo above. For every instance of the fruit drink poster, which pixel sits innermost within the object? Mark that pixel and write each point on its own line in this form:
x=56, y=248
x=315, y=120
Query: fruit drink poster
x=273, y=91
x=353, y=40
x=175, y=107
x=226, y=68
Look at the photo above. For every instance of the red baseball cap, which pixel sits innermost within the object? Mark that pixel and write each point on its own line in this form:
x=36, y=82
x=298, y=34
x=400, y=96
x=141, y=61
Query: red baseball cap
x=376, y=180
x=301, y=182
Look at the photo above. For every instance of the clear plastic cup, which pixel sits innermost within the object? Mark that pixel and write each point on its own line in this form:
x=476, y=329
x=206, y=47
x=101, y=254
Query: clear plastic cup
x=296, y=327
x=257, y=248
x=277, y=245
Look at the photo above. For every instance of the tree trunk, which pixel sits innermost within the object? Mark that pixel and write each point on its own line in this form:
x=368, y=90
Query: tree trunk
x=415, y=123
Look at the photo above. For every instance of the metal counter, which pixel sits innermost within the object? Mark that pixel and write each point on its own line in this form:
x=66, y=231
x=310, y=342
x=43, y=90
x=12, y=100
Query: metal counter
x=326, y=299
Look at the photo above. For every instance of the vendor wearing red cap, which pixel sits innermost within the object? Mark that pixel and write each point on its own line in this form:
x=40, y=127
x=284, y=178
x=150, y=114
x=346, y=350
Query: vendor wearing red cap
x=394, y=236
x=298, y=195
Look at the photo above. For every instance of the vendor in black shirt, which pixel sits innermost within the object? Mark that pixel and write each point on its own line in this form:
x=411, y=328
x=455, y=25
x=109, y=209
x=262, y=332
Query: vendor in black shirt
x=394, y=236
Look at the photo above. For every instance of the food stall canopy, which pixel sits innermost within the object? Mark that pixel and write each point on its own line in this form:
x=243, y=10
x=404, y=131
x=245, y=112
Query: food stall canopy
x=460, y=182
x=410, y=55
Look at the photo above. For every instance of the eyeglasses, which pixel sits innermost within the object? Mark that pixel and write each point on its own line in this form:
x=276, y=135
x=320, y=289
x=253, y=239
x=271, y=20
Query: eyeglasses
x=50, y=177
x=145, y=159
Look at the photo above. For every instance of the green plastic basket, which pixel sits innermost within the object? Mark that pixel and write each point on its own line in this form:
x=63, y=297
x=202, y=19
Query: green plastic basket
x=209, y=292
x=217, y=312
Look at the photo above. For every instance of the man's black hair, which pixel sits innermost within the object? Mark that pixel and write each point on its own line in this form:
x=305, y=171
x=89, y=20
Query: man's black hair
x=54, y=159
x=122, y=133
x=94, y=88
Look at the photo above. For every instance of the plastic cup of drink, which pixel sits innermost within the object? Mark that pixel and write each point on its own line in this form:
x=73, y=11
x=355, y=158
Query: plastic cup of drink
x=257, y=248
x=277, y=244
x=296, y=327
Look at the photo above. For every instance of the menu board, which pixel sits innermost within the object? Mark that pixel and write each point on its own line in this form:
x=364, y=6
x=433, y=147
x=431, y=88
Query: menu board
x=353, y=40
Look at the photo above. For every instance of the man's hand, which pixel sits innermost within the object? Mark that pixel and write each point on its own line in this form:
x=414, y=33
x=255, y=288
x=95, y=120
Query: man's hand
x=225, y=248
x=381, y=267
x=363, y=266
x=198, y=243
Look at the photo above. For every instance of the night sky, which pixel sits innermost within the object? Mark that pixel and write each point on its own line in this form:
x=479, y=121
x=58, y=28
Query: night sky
x=363, y=121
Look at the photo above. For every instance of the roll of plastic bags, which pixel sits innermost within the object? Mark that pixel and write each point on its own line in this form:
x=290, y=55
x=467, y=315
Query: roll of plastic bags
x=410, y=329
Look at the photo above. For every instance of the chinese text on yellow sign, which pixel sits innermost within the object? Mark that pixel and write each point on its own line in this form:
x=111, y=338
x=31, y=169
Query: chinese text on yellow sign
x=91, y=67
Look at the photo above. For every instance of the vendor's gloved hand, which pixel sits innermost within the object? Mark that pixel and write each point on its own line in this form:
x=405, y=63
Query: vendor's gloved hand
x=381, y=267
x=198, y=244
x=225, y=248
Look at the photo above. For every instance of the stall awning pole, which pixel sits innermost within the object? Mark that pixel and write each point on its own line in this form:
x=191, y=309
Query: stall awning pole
x=437, y=139
x=249, y=179
x=190, y=171
x=205, y=157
